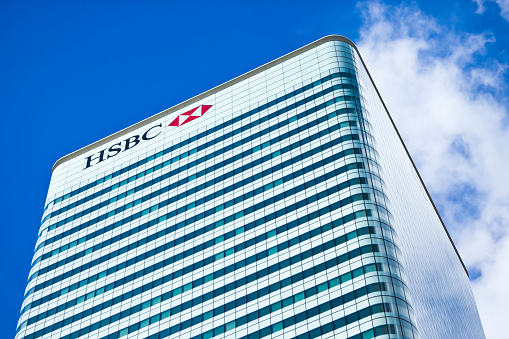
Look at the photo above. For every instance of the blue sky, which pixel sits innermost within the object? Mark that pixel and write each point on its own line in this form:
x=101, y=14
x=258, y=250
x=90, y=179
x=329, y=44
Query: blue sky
x=75, y=72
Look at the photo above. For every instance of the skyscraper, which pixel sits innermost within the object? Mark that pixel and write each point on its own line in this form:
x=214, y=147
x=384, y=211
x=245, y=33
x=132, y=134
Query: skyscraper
x=282, y=203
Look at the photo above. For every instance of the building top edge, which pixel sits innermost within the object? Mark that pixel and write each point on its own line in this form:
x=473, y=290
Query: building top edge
x=198, y=97
x=242, y=77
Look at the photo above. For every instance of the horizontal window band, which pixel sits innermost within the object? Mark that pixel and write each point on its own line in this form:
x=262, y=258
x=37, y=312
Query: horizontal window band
x=312, y=291
x=218, y=256
x=191, y=220
x=189, y=236
x=192, y=164
x=208, y=132
x=196, y=175
x=366, y=249
x=217, y=208
x=343, y=299
x=199, y=174
x=336, y=324
x=372, y=333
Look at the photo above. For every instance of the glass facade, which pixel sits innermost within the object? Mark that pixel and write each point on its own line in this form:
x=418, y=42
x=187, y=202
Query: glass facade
x=280, y=204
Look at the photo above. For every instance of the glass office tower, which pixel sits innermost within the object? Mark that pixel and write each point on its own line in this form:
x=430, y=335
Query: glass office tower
x=281, y=204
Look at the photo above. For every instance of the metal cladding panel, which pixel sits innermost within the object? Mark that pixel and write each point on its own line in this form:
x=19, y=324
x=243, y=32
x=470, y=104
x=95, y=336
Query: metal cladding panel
x=437, y=279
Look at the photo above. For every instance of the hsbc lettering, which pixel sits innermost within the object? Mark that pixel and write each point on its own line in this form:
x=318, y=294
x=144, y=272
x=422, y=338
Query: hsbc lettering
x=122, y=146
x=149, y=134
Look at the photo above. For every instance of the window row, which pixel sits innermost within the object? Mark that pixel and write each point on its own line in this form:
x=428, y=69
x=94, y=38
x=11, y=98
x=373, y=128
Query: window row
x=369, y=334
x=302, y=316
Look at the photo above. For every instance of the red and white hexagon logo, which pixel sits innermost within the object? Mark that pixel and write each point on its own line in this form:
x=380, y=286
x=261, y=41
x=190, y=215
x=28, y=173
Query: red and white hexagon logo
x=184, y=118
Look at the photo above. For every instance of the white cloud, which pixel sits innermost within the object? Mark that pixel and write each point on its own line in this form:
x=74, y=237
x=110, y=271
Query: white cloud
x=503, y=4
x=456, y=129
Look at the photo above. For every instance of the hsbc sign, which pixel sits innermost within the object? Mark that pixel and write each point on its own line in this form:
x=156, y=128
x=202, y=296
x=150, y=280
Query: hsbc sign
x=122, y=146
x=188, y=116
x=149, y=134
